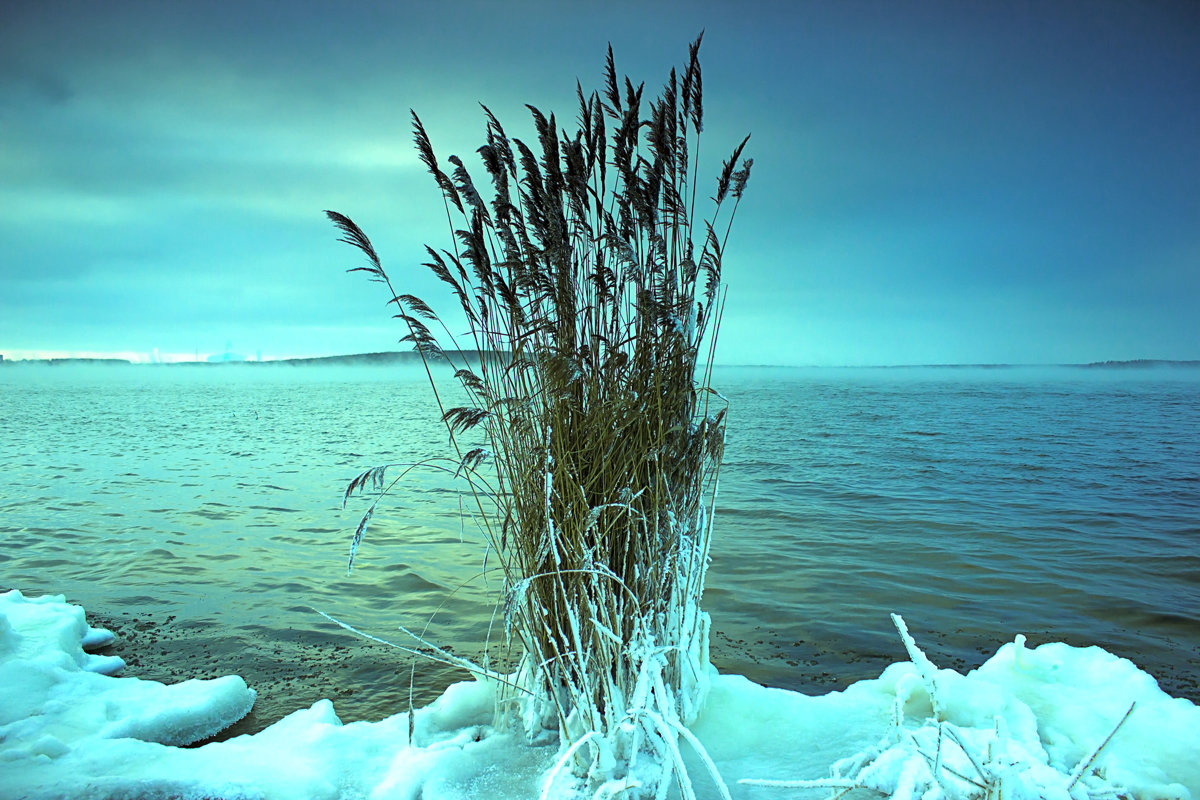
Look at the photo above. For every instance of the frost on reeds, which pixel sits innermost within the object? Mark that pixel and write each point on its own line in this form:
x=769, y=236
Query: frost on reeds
x=592, y=440
x=952, y=754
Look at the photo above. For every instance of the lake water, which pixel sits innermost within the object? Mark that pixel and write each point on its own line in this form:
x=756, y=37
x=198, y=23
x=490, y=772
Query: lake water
x=197, y=511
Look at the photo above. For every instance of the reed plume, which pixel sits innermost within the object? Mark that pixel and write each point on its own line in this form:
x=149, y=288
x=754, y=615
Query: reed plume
x=594, y=300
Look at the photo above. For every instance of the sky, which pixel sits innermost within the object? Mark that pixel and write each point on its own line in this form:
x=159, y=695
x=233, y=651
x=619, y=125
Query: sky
x=934, y=183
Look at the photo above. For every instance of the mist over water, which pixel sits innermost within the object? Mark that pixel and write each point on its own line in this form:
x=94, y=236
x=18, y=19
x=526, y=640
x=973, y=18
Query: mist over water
x=198, y=511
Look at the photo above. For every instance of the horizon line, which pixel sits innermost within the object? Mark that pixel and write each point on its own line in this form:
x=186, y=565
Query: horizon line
x=364, y=359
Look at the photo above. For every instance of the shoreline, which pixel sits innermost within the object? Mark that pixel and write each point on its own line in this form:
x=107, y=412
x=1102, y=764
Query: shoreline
x=290, y=675
x=1035, y=717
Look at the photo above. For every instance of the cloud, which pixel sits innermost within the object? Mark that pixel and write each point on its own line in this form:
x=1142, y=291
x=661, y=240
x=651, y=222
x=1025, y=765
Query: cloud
x=20, y=84
x=166, y=165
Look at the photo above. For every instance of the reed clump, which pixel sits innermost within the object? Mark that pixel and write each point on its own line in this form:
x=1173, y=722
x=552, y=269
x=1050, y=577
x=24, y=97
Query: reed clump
x=592, y=440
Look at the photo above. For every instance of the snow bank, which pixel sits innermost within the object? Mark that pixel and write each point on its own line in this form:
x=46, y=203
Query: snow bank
x=1052, y=723
x=67, y=731
x=57, y=696
x=1025, y=722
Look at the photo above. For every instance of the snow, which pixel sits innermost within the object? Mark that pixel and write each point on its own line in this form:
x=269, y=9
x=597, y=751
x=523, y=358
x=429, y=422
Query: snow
x=1030, y=722
x=57, y=696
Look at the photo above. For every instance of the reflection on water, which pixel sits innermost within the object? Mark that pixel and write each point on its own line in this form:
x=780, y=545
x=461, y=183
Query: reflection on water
x=198, y=511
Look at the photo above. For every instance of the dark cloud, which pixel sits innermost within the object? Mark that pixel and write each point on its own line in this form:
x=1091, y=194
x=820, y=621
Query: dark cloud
x=933, y=181
x=19, y=85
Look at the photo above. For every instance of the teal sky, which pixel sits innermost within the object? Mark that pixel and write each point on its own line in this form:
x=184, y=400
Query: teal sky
x=958, y=182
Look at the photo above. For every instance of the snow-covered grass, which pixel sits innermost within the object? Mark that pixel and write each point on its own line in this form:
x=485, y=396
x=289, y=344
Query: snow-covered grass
x=1029, y=717
x=1056, y=722
x=593, y=302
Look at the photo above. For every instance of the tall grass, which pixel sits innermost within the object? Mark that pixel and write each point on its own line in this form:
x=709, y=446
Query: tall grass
x=592, y=439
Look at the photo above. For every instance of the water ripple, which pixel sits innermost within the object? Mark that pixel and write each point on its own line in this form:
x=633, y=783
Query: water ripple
x=978, y=506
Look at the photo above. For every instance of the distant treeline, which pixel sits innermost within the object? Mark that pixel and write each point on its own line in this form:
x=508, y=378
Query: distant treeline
x=4, y=362
x=410, y=357
x=458, y=356
x=1141, y=362
x=359, y=359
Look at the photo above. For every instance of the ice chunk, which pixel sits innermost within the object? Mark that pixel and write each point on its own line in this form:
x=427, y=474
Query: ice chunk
x=55, y=692
x=96, y=638
x=1028, y=723
x=1079, y=694
x=48, y=627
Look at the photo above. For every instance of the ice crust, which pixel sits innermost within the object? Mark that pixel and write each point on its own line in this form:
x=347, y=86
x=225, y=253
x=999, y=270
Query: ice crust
x=69, y=729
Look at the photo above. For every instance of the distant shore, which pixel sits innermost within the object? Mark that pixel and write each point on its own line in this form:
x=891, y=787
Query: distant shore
x=358, y=359
x=413, y=358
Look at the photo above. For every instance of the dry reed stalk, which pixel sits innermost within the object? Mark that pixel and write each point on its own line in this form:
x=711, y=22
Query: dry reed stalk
x=590, y=294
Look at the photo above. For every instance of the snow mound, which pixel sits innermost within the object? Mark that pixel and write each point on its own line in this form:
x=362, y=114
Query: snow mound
x=1053, y=723
x=56, y=697
x=68, y=731
x=1029, y=723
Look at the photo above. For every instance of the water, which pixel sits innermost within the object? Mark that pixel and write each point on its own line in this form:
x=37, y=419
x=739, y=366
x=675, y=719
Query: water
x=198, y=512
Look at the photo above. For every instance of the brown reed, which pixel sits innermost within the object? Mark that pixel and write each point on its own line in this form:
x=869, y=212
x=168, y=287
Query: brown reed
x=594, y=301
